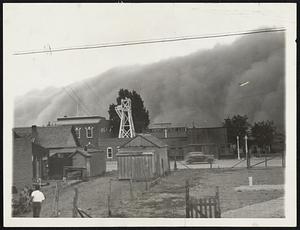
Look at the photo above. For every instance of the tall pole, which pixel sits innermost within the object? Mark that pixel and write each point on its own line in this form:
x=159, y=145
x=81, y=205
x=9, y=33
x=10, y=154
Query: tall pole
x=246, y=150
x=238, y=147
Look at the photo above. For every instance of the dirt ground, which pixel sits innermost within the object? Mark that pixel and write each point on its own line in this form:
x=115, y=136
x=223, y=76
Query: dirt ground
x=167, y=198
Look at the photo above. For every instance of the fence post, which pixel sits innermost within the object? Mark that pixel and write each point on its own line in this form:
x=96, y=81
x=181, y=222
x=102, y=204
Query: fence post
x=57, y=199
x=109, y=199
x=187, y=199
x=131, y=192
x=162, y=165
x=218, y=202
x=266, y=163
x=75, y=200
x=175, y=163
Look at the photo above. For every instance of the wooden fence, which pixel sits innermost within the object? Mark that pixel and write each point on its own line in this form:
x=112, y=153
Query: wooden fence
x=208, y=207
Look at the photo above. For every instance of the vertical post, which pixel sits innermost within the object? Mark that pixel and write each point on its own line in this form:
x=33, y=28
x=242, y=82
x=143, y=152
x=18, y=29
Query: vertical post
x=238, y=147
x=162, y=165
x=75, y=200
x=56, y=199
x=108, y=205
x=175, y=163
x=109, y=199
x=247, y=154
x=218, y=202
x=266, y=163
x=131, y=191
x=187, y=199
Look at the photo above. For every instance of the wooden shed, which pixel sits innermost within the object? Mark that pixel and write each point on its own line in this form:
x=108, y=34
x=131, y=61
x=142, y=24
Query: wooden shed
x=142, y=158
x=91, y=162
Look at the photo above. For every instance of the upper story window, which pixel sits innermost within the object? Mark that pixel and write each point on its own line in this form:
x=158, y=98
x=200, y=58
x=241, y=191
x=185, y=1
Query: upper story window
x=103, y=129
x=109, y=152
x=89, y=132
x=77, y=130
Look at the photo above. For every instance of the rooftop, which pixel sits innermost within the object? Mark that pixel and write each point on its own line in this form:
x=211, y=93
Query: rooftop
x=150, y=138
x=166, y=125
x=50, y=136
x=79, y=120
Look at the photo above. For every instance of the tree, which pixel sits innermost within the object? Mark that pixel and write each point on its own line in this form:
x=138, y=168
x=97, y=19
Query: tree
x=236, y=126
x=139, y=113
x=263, y=133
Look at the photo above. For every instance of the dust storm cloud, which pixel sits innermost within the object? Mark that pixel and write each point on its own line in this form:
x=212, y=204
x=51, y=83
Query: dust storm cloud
x=202, y=87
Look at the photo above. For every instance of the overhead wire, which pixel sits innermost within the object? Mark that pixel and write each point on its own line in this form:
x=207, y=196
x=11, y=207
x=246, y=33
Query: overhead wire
x=149, y=41
x=76, y=101
x=80, y=100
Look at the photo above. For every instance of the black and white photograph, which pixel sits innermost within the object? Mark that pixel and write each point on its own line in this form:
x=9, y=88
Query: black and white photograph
x=149, y=114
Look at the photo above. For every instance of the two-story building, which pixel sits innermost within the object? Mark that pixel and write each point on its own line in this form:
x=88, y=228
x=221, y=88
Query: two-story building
x=88, y=128
x=182, y=139
x=174, y=135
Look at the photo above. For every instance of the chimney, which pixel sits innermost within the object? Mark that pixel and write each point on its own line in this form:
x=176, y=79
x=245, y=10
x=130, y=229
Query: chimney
x=34, y=133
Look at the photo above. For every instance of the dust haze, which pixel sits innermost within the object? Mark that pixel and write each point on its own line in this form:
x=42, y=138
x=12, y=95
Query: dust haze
x=202, y=87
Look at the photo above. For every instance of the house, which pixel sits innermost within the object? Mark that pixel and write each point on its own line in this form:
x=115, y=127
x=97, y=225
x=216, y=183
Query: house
x=28, y=161
x=143, y=157
x=64, y=151
x=88, y=128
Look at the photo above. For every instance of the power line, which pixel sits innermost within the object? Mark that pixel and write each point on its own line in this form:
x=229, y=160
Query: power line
x=93, y=92
x=148, y=41
x=74, y=99
x=86, y=109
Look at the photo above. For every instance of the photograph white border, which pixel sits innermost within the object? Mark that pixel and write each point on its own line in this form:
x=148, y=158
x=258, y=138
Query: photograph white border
x=290, y=172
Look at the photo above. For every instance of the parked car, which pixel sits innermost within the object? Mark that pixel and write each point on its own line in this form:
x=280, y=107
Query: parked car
x=198, y=157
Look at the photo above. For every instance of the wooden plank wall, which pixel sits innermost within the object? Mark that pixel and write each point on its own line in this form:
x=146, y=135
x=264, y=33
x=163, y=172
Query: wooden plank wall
x=141, y=167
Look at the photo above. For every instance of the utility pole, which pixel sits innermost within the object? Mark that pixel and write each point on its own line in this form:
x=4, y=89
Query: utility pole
x=238, y=147
x=246, y=150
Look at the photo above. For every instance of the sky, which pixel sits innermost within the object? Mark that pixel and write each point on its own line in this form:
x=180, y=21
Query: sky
x=37, y=26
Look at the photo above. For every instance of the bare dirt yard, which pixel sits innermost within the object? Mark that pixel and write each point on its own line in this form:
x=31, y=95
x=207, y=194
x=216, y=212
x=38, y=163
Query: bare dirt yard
x=167, y=198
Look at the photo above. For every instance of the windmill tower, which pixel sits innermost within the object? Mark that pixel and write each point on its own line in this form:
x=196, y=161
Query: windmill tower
x=126, y=125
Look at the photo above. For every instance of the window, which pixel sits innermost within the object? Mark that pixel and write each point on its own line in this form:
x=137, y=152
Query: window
x=109, y=152
x=89, y=132
x=77, y=130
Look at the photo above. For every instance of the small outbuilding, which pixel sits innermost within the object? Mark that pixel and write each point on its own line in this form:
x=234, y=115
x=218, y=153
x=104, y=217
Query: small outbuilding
x=91, y=162
x=142, y=158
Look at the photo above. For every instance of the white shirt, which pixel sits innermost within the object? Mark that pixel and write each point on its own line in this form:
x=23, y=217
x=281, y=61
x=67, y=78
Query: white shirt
x=38, y=196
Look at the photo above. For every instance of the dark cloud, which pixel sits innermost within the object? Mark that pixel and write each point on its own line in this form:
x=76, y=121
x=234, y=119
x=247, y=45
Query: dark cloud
x=201, y=87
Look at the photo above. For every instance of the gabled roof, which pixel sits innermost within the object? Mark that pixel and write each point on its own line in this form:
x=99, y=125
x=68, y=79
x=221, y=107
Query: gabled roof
x=50, y=136
x=150, y=138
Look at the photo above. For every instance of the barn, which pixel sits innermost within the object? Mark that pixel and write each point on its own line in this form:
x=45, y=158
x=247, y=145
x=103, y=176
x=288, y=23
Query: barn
x=142, y=158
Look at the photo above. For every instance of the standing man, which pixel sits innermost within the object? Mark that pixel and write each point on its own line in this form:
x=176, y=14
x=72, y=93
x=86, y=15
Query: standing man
x=37, y=198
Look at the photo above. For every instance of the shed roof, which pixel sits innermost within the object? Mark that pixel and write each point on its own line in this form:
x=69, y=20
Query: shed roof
x=50, y=136
x=150, y=138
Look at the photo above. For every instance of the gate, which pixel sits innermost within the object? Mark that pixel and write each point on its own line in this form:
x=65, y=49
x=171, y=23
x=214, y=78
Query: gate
x=208, y=207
